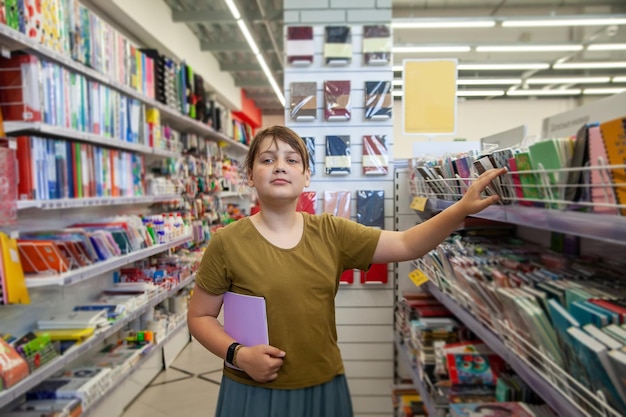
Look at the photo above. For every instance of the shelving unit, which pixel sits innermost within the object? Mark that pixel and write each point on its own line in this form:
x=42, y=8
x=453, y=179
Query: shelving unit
x=603, y=227
x=562, y=405
x=61, y=362
x=73, y=277
x=66, y=203
x=416, y=376
x=13, y=40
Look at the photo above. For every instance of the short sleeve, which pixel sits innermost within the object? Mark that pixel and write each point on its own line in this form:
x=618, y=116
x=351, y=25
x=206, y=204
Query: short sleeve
x=357, y=243
x=212, y=276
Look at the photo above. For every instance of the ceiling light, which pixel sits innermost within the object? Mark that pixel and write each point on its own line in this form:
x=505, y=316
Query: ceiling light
x=479, y=93
x=565, y=21
x=255, y=49
x=568, y=80
x=589, y=65
x=562, y=92
x=619, y=79
x=434, y=23
x=429, y=49
x=603, y=91
x=607, y=47
x=520, y=66
x=488, y=81
x=528, y=48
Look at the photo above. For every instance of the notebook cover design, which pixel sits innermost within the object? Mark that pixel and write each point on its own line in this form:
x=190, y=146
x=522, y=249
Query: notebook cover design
x=337, y=203
x=375, y=155
x=376, y=44
x=378, y=100
x=300, y=48
x=338, y=159
x=580, y=157
x=370, y=208
x=303, y=101
x=337, y=104
x=601, y=191
x=310, y=148
x=8, y=187
x=337, y=45
x=614, y=135
x=306, y=202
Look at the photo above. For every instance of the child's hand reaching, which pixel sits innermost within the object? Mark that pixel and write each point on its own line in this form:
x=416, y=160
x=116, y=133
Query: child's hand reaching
x=260, y=362
x=473, y=202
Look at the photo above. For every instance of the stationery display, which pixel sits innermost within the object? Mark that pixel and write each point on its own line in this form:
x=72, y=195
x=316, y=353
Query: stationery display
x=337, y=45
x=377, y=44
x=375, y=155
x=303, y=101
x=338, y=159
x=378, y=100
x=300, y=47
x=337, y=103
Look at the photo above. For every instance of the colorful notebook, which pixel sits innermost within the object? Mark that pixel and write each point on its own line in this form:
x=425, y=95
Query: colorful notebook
x=337, y=45
x=601, y=190
x=303, y=101
x=337, y=105
x=378, y=100
x=310, y=148
x=614, y=135
x=307, y=202
x=337, y=203
x=16, y=290
x=300, y=48
x=376, y=45
x=370, y=208
x=338, y=159
x=375, y=155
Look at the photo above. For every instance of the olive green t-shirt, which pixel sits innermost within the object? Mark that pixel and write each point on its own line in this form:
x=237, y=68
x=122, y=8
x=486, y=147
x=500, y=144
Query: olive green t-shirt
x=299, y=286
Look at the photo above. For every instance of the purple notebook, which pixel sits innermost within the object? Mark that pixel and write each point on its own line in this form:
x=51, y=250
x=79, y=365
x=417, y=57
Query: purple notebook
x=245, y=319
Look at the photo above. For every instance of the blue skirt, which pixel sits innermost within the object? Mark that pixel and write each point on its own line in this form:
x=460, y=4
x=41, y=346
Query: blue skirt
x=331, y=399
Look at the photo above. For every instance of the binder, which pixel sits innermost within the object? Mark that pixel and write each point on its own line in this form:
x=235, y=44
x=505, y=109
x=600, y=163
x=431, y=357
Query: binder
x=245, y=319
x=17, y=293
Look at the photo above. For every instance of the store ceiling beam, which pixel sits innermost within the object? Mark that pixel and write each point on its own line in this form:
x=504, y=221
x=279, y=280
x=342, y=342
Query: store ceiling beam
x=209, y=16
x=260, y=82
x=246, y=66
x=230, y=46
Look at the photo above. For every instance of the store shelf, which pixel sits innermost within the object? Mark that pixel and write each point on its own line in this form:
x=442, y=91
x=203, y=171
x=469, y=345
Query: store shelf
x=72, y=354
x=11, y=39
x=67, y=203
x=603, y=227
x=117, y=383
x=562, y=405
x=416, y=377
x=81, y=274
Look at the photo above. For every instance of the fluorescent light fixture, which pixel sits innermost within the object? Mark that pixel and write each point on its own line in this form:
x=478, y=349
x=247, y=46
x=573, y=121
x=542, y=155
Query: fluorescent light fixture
x=479, y=93
x=563, y=92
x=248, y=36
x=529, y=48
x=619, y=79
x=477, y=81
x=233, y=9
x=607, y=47
x=602, y=91
x=255, y=49
x=429, y=49
x=468, y=93
x=565, y=21
x=568, y=80
x=496, y=67
x=488, y=81
x=590, y=65
x=442, y=23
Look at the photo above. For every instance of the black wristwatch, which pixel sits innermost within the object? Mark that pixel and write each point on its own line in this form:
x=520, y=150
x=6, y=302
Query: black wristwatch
x=230, y=354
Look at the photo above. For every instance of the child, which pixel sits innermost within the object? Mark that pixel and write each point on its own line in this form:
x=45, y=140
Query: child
x=294, y=260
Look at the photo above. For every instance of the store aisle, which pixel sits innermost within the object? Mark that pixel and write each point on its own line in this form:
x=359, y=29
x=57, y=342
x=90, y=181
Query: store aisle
x=188, y=388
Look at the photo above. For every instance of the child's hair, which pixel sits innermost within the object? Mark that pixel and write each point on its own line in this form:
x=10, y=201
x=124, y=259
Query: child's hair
x=277, y=133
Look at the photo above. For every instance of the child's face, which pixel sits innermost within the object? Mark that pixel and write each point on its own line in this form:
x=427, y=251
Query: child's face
x=277, y=172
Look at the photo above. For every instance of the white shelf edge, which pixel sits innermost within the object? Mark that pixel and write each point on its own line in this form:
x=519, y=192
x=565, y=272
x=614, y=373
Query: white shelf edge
x=232, y=194
x=417, y=381
x=60, y=362
x=67, y=203
x=82, y=274
x=139, y=363
x=603, y=227
x=168, y=114
x=64, y=132
x=562, y=405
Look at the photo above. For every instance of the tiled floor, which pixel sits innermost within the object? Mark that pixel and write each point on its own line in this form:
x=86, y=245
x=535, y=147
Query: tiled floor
x=188, y=388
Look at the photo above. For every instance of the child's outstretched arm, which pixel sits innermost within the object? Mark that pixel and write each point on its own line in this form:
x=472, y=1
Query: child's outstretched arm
x=422, y=238
x=262, y=362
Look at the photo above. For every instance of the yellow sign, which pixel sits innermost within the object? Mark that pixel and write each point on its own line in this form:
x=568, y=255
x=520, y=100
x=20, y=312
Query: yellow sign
x=429, y=97
x=418, y=277
x=419, y=203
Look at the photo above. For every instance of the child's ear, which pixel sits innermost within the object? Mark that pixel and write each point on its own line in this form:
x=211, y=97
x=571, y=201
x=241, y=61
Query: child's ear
x=307, y=178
